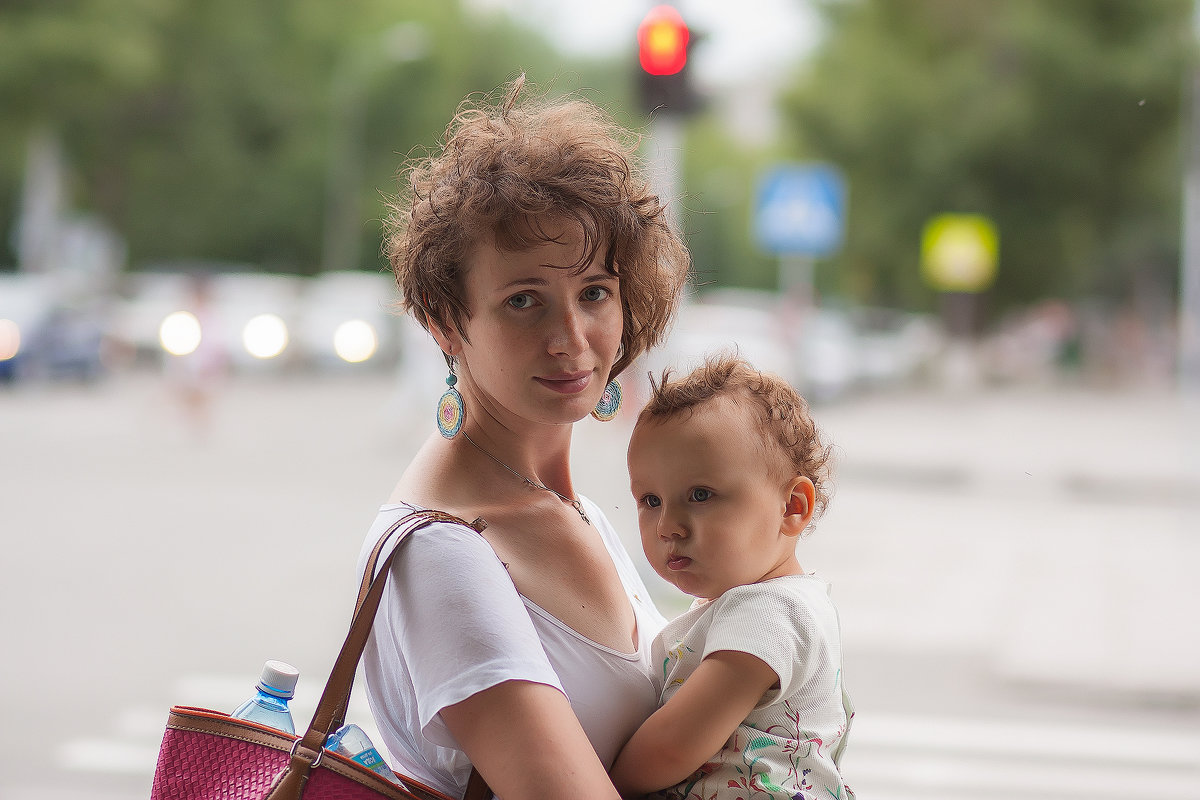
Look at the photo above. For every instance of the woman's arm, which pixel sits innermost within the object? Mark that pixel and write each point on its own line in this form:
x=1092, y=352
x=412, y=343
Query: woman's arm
x=527, y=743
x=694, y=724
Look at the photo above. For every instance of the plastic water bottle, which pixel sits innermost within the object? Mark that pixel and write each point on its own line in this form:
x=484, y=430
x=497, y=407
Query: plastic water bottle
x=351, y=741
x=269, y=705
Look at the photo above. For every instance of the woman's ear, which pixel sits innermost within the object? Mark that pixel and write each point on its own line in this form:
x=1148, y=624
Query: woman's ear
x=801, y=502
x=447, y=338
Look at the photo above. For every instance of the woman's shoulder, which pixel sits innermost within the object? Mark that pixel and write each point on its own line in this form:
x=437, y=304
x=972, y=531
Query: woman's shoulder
x=441, y=540
x=478, y=537
x=445, y=522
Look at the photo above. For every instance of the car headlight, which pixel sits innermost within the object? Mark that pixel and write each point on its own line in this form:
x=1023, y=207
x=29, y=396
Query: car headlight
x=179, y=333
x=355, y=341
x=265, y=336
x=10, y=339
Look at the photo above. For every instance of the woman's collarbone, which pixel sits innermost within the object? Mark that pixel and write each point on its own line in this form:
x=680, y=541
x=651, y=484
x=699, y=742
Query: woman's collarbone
x=579, y=587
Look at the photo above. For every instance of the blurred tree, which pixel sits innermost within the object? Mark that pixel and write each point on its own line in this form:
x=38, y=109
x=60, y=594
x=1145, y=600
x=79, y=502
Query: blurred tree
x=52, y=72
x=203, y=130
x=1061, y=121
x=715, y=211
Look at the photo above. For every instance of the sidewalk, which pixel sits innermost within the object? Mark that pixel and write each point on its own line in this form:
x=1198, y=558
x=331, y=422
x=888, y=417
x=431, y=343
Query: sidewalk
x=1004, y=558
x=1065, y=542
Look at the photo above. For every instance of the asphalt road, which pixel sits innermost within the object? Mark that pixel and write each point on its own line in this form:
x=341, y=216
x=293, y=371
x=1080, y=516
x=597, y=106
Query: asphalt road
x=1014, y=570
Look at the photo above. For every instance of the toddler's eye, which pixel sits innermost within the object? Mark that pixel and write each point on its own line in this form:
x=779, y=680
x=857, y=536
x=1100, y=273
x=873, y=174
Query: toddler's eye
x=652, y=500
x=595, y=293
x=699, y=495
x=520, y=301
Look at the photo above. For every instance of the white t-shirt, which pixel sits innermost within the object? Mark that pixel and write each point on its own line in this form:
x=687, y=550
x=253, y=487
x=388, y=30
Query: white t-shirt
x=452, y=624
x=791, y=743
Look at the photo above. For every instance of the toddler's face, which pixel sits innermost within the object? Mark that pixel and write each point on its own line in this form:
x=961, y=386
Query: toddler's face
x=710, y=509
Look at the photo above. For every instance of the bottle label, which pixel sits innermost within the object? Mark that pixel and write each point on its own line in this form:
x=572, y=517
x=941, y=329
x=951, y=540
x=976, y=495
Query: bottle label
x=371, y=759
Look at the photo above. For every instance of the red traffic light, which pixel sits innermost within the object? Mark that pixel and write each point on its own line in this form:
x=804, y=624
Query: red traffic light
x=662, y=41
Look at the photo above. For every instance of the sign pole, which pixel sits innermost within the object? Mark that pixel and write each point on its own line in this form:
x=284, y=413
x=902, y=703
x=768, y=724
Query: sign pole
x=959, y=255
x=797, y=282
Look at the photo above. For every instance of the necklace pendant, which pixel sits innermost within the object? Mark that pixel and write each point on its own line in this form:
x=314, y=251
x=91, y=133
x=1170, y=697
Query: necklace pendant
x=534, y=484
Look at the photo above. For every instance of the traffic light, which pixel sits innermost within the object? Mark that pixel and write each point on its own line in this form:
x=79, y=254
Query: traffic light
x=663, y=40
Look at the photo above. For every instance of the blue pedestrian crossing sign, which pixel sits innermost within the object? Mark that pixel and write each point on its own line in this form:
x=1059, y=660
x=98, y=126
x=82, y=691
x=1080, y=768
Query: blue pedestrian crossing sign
x=800, y=209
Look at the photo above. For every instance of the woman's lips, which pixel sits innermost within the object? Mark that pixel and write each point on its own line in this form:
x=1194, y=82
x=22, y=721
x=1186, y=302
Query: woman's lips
x=573, y=383
x=678, y=562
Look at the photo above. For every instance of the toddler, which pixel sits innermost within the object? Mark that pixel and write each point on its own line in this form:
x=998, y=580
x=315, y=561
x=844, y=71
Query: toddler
x=728, y=470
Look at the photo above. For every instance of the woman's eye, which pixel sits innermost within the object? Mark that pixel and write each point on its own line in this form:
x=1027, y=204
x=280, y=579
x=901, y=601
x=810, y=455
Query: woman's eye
x=520, y=301
x=699, y=495
x=595, y=293
x=652, y=501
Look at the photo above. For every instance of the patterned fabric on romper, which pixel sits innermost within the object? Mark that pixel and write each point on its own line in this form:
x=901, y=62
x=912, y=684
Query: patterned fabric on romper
x=789, y=747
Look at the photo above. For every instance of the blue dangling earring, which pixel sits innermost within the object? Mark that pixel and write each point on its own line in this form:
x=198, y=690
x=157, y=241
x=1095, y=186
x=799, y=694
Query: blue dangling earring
x=610, y=402
x=450, y=411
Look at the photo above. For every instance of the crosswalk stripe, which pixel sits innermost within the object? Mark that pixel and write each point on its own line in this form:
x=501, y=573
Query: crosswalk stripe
x=890, y=756
x=891, y=776
x=903, y=757
x=131, y=748
x=1028, y=739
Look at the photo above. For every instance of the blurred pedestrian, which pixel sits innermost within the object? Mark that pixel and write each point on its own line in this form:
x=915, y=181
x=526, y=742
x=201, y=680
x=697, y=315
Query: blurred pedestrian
x=542, y=264
x=728, y=471
x=195, y=378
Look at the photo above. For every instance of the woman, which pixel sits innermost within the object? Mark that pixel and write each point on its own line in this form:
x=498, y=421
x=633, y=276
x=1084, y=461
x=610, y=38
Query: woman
x=543, y=266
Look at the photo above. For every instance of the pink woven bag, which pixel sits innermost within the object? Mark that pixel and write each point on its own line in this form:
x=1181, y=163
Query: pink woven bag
x=208, y=755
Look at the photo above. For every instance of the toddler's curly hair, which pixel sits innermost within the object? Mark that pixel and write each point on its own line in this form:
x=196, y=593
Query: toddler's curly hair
x=790, y=438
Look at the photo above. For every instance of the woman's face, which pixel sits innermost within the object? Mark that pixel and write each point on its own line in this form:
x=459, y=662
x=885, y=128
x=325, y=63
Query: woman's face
x=541, y=339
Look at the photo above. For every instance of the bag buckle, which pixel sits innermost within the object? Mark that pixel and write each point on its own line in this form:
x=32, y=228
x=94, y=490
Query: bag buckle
x=316, y=762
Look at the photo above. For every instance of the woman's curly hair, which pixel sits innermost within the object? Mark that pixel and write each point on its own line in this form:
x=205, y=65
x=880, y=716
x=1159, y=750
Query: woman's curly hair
x=505, y=172
x=781, y=413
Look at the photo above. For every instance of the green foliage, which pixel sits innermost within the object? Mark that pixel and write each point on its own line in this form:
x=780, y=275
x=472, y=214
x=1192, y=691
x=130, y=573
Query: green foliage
x=205, y=130
x=720, y=177
x=209, y=130
x=1060, y=120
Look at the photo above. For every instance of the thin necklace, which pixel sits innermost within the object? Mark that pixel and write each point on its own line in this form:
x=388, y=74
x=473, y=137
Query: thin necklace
x=578, y=506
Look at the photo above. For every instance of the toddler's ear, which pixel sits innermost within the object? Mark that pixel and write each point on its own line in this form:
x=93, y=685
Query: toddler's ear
x=802, y=497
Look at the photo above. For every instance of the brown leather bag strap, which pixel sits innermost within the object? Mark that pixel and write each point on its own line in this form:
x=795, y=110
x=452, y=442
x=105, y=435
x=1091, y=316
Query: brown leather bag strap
x=331, y=706
x=369, y=572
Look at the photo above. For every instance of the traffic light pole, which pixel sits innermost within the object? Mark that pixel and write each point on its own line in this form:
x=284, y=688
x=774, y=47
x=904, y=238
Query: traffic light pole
x=664, y=153
x=665, y=95
x=1188, y=323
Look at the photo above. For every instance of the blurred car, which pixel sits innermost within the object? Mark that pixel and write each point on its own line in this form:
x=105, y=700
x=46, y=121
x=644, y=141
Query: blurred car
x=817, y=350
x=41, y=337
x=828, y=354
x=895, y=346
x=346, y=318
x=147, y=299
x=256, y=315
x=70, y=344
x=708, y=326
x=24, y=304
x=249, y=315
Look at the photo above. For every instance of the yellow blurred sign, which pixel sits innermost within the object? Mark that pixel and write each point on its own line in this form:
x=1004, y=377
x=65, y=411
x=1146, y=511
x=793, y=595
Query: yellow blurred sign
x=959, y=252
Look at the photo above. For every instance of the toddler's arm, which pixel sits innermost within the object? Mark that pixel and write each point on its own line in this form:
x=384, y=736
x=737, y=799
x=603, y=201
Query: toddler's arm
x=694, y=724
